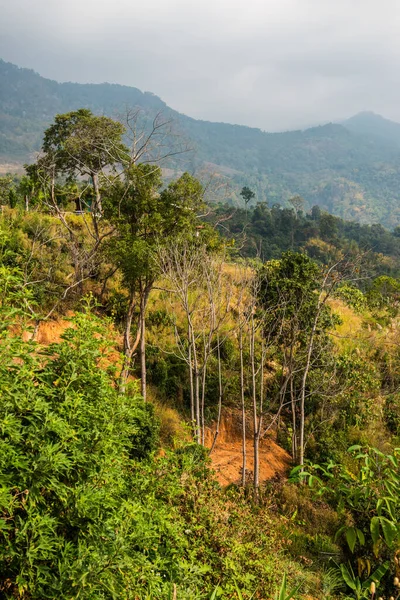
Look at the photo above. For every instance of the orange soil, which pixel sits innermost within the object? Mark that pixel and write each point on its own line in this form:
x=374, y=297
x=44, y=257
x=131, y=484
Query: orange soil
x=50, y=331
x=227, y=457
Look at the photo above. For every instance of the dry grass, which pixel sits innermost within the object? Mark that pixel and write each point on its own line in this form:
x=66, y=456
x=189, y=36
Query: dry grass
x=173, y=429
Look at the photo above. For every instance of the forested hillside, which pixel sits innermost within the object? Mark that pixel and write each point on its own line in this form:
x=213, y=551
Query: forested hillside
x=176, y=326
x=374, y=125
x=351, y=170
x=263, y=232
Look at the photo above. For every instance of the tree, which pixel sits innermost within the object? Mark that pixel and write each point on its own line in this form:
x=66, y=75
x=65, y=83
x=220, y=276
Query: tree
x=76, y=145
x=197, y=287
x=247, y=195
x=145, y=218
x=26, y=188
x=384, y=293
x=6, y=185
x=297, y=290
x=80, y=143
x=298, y=203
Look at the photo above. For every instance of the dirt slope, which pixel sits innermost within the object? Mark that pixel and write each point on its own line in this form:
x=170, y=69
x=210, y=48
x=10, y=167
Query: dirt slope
x=227, y=458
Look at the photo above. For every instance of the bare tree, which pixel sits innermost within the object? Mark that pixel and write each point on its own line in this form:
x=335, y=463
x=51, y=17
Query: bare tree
x=180, y=268
x=152, y=138
x=197, y=282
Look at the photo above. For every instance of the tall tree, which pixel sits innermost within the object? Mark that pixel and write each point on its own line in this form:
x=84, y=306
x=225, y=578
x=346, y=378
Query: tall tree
x=80, y=143
x=297, y=290
x=146, y=217
x=247, y=195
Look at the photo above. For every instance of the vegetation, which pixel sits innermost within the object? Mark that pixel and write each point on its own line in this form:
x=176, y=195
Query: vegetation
x=265, y=232
x=288, y=323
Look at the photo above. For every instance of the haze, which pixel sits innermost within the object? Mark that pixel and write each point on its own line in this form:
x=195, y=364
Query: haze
x=273, y=64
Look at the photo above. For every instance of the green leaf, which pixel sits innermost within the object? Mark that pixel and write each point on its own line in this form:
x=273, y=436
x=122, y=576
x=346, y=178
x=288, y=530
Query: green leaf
x=376, y=575
x=239, y=593
x=348, y=578
x=374, y=527
x=361, y=537
x=294, y=591
x=354, y=448
x=282, y=591
x=351, y=538
x=215, y=592
x=389, y=530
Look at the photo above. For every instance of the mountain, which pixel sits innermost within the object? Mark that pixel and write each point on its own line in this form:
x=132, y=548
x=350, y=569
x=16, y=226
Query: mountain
x=369, y=123
x=350, y=169
x=29, y=102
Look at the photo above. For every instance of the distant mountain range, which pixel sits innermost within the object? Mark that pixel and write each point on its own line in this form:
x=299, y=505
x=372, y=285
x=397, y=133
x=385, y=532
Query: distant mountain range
x=369, y=123
x=351, y=169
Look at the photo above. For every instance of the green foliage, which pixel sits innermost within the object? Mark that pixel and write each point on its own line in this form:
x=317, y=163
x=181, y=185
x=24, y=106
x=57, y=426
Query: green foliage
x=247, y=194
x=67, y=439
x=384, y=293
x=81, y=142
x=36, y=244
x=5, y=189
x=283, y=593
x=366, y=495
x=361, y=383
x=360, y=588
x=146, y=217
x=352, y=296
x=290, y=292
x=87, y=510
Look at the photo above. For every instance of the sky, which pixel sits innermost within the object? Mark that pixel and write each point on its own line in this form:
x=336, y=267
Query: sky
x=272, y=64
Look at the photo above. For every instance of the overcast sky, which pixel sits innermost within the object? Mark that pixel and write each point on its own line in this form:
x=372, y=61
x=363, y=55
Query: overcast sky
x=273, y=64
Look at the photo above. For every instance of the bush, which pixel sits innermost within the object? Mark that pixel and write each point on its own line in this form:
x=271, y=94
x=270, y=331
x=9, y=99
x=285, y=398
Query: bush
x=352, y=296
x=67, y=440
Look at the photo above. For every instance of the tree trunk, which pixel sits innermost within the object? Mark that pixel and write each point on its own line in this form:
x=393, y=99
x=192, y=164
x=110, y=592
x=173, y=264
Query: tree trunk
x=192, y=363
x=127, y=342
x=255, y=420
x=192, y=413
x=304, y=382
x=36, y=329
x=203, y=394
x=293, y=401
x=219, y=396
x=294, y=423
x=257, y=436
x=129, y=347
x=98, y=205
x=244, y=457
x=143, y=373
x=196, y=375
x=97, y=209
x=196, y=379
x=53, y=191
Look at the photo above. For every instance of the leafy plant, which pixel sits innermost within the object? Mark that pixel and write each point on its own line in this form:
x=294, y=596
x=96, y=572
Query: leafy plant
x=283, y=593
x=360, y=588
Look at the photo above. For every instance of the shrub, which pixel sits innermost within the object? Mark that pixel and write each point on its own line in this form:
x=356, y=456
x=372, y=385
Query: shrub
x=66, y=444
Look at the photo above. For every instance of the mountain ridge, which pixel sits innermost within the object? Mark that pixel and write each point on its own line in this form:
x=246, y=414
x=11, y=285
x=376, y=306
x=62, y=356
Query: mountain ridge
x=371, y=123
x=346, y=168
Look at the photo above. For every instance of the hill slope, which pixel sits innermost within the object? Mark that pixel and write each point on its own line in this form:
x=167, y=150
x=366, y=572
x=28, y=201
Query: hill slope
x=369, y=123
x=347, y=169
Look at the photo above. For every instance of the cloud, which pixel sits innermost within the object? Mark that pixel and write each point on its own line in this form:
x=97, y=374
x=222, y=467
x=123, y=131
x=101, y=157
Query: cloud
x=274, y=64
